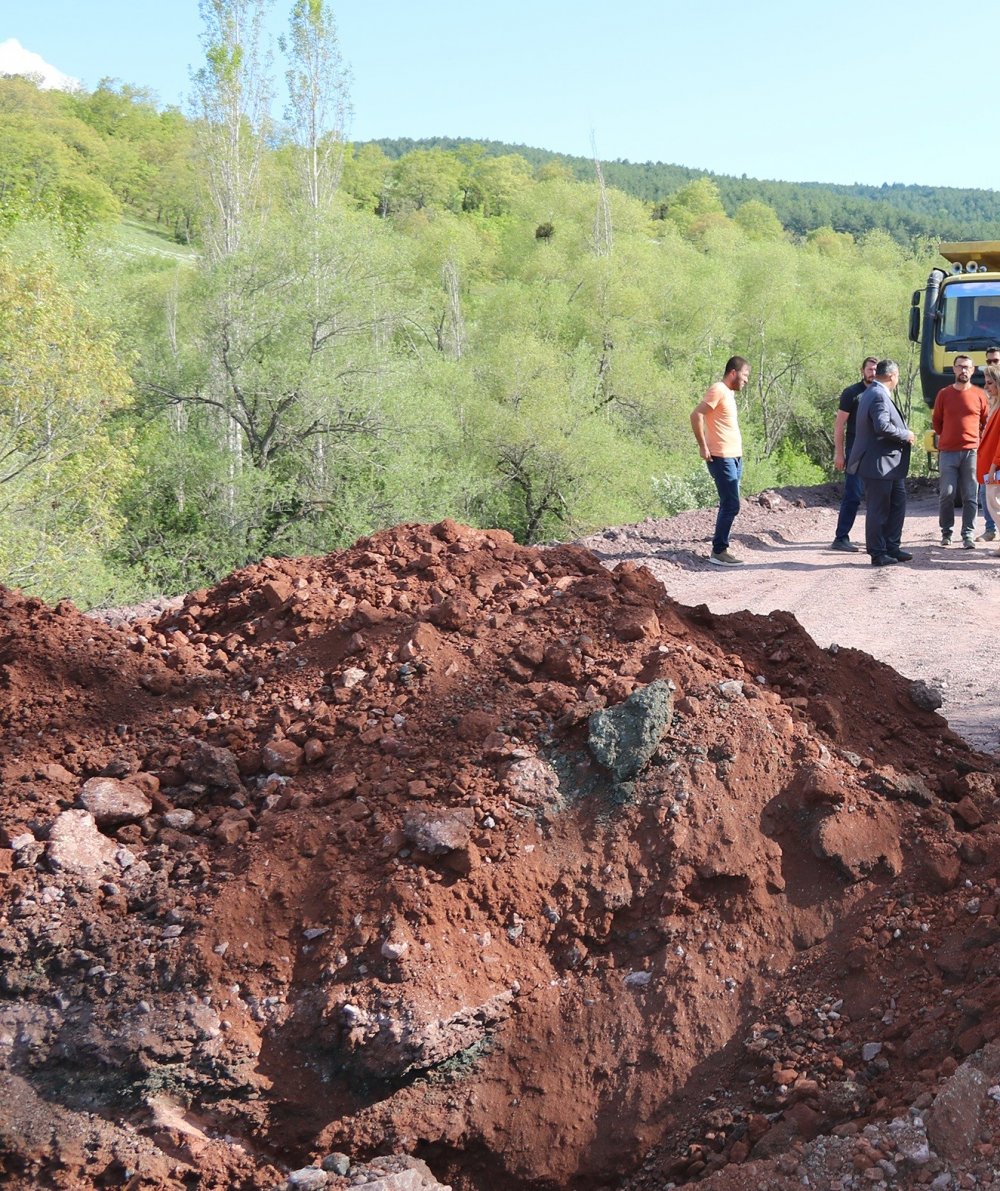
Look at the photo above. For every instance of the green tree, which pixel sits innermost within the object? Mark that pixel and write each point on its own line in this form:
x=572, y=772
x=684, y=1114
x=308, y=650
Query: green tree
x=319, y=99
x=758, y=221
x=62, y=462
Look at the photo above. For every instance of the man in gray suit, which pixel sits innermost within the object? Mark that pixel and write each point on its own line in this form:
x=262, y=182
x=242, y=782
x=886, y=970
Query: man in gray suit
x=881, y=457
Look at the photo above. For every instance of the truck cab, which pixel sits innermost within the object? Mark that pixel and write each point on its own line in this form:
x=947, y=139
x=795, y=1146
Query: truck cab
x=960, y=313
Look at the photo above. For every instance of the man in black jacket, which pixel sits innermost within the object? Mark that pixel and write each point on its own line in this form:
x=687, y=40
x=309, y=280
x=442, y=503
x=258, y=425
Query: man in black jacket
x=843, y=441
x=881, y=457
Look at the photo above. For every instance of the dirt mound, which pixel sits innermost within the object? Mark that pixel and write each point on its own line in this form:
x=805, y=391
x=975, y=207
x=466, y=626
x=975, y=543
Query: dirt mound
x=487, y=858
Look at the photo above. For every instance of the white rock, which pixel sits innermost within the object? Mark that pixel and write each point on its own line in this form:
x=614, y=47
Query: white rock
x=76, y=846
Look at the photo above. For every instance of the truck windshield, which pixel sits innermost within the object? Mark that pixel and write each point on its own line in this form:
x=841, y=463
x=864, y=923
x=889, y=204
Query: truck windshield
x=969, y=314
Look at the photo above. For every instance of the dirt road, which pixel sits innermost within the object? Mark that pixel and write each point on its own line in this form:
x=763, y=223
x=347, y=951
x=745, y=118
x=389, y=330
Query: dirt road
x=934, y=618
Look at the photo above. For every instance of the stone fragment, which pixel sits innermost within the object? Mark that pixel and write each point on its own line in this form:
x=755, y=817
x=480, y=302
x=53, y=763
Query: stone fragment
x=532, y=781
x=564, y=663
x=179, y=820
x=157, y=682
x=953, y=1122
x=925, y=696
x=624, y=738
x=940, y=866
x=212, y=765
x=114, y=803
x=276, y=593
x=351, y=676
x=636, y=624
x=313, y=750
x=439, y=832
x=638, y=979
x=413, y=1038
x=910, y=1141
x=457, y=612
x=230, y=829
x=309, y=1178
x=283, y=757
x=76, y=846
x=968, y=812
x=905, y=787
x=422, y=639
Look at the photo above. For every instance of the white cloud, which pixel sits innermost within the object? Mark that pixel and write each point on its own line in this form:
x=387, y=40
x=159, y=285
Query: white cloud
x=15, y=59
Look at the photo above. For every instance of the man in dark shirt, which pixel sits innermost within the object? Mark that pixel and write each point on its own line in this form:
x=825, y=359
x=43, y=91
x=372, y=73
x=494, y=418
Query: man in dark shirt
x=843, y=440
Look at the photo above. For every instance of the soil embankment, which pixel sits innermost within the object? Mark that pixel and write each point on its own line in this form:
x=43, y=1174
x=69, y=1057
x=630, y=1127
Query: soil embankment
x=499, y=859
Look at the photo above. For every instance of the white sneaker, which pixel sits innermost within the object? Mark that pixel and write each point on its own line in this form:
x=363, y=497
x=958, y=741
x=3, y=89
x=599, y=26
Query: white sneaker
x=725, y=559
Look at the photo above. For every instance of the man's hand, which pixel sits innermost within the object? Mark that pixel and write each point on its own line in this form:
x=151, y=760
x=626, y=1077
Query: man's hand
x=706, y=454
x=911, y=439
x=839, y=462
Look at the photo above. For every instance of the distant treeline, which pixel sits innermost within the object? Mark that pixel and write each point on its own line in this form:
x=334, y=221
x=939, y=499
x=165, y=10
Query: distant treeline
x=908, y=213
x=224, y=337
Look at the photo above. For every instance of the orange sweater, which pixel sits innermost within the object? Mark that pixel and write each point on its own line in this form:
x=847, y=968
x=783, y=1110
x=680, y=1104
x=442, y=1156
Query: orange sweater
x=988, y=458
x=959, y=417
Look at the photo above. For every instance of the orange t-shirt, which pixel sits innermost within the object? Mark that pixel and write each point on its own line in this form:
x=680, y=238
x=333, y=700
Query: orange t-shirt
x=722, y=430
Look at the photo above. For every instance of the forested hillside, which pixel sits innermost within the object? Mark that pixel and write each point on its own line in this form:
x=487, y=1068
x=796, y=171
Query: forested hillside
x=906, y=212
x=224, y=337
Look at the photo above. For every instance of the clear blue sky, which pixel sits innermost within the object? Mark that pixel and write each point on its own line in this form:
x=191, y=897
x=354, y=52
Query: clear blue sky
x=773, y=90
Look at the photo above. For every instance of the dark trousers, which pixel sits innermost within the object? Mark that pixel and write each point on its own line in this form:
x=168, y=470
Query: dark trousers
x=885, y=512
x=849, y=505
x=727, y=474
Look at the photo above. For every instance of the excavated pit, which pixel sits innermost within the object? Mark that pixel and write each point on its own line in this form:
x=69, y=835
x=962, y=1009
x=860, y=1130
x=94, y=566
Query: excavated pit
x=445, y=847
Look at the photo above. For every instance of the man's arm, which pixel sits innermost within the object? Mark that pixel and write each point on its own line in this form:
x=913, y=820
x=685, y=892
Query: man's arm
x=698, y=426
x=887, y=423
x=839, y=430
x=937, y=417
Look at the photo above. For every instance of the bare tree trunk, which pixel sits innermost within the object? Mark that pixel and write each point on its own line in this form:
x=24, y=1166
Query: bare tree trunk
x=603, y=233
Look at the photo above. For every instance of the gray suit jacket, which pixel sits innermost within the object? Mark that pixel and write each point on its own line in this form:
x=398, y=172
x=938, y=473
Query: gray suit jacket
x=881, y=448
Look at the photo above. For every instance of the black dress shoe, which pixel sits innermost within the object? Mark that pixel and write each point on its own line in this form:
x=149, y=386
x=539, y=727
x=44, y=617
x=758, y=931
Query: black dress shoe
x=901, y=555
x=884, y=560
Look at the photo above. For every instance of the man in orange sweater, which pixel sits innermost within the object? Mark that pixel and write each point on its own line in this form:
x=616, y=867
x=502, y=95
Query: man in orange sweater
x=960, y=413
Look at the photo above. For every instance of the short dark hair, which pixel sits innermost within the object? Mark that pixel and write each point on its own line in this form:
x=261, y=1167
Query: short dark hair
x=868, y=360
x=961, y=356
x=735, y=364
x=992, y=348
x=886, y=367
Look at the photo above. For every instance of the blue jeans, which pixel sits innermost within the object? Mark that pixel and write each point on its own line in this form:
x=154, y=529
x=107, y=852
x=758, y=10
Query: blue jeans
x=849, y=505
x=991, y=525
x=727, y=474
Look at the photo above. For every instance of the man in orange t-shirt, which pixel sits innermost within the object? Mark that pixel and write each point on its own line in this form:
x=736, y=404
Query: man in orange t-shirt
x=960, y=413
x=716, y=427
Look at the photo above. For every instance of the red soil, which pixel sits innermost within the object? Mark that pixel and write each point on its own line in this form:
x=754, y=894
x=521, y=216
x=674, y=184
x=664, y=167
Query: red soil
x=358, y=884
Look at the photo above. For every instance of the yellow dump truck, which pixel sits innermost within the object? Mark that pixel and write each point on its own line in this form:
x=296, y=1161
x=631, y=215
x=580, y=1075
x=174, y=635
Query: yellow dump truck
x=959, y=315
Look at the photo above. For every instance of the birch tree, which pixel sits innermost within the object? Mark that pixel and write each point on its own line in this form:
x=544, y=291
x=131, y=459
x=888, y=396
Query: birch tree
x=232, y=99
x=319, y=98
